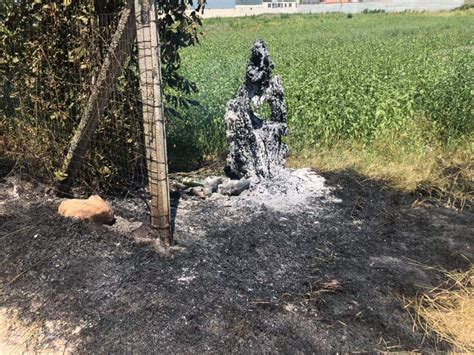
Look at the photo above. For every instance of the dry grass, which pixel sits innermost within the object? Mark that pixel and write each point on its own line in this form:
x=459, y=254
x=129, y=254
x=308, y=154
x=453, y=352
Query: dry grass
x=16, y=337
x=448, y=311
x=441, y=173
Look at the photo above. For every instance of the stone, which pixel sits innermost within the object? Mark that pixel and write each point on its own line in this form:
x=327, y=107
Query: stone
x=213, y=182
x=256, y=147
x=191, y=182
x=207, y=192
x=201, y=192
x=234, y=187
x=94, y=209
x=178, y=186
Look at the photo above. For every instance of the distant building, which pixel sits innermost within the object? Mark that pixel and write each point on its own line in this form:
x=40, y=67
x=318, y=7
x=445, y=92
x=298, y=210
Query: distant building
x=274, y=4
x=238, y=8
x=336, y=1
x=232, y=4
x=312, y=2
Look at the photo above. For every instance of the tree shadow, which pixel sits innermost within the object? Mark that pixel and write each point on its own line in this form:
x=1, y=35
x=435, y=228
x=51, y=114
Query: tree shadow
x=6, y=167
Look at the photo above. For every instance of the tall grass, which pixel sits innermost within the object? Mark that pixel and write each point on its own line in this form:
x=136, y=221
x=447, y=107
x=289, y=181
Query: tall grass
x=394, y=89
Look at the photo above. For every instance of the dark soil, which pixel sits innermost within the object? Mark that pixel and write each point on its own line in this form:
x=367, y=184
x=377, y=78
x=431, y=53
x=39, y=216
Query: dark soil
x=331, y=277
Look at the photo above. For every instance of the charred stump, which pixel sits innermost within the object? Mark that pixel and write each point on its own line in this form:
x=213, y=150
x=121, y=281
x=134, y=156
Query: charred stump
x=256, y=147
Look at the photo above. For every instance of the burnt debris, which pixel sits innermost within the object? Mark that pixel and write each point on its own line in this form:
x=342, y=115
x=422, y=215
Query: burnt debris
x=256, y=147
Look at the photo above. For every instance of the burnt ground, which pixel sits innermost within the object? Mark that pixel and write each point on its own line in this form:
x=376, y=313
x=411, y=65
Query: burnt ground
x=331, y=276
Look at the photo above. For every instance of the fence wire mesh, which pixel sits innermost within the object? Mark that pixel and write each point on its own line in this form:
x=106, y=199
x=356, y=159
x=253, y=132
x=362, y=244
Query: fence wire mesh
x=44, y=87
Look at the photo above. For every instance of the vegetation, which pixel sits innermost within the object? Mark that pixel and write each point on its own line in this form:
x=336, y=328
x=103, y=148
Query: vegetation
x=374, y=11
x=390, y=95
x=448, y=310
x=51, y=51
x=387, y=95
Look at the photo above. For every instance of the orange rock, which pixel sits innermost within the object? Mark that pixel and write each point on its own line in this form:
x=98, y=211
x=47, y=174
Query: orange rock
x=94, y=209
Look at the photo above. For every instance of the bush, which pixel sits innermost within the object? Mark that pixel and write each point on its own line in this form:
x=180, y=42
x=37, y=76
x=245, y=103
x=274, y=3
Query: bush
x=51, y=54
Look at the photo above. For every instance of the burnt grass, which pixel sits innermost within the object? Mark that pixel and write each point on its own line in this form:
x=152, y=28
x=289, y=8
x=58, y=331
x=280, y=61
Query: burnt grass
x=314, y=280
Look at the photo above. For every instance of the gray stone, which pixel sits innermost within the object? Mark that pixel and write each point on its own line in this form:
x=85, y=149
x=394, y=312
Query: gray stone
x=192, y=182
x=213, y=182
x=234, y=187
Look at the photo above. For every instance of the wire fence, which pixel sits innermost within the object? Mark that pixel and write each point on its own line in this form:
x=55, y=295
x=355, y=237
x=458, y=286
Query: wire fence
x=44, y=89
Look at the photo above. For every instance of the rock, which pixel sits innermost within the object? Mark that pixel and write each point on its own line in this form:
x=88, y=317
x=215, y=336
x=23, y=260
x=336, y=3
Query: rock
x=205, y=188
x=94, y=209
x=178, y=186
x=201, y=192
x=192, y=183
x=256, y=147
x=213, y=182
x=207, y=192
x=234, y=187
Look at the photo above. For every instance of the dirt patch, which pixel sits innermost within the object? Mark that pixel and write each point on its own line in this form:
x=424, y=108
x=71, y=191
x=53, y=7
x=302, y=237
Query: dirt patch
x=246, y=277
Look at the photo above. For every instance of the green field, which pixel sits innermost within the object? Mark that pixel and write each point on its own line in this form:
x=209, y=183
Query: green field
x=386, y=93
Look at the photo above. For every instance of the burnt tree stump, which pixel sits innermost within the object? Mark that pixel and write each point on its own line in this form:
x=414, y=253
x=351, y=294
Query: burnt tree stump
x=256, y=147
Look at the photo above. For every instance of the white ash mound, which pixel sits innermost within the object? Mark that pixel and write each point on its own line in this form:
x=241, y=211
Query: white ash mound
x=285, y=192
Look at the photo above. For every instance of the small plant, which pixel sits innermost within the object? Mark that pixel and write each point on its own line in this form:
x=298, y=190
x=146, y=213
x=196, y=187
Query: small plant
x=374, y=11
x=465, y=7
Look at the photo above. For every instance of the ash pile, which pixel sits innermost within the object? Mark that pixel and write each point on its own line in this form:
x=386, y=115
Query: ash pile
x=256, y=124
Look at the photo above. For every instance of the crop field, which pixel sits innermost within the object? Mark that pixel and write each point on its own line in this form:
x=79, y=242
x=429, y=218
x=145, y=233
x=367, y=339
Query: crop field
x=388, y=94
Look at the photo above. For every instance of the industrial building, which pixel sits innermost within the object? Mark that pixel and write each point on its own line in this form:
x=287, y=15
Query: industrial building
x=236, y=8
x=231, y=4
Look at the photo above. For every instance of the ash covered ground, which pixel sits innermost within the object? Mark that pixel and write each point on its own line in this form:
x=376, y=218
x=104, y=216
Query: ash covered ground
x=304, y=264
